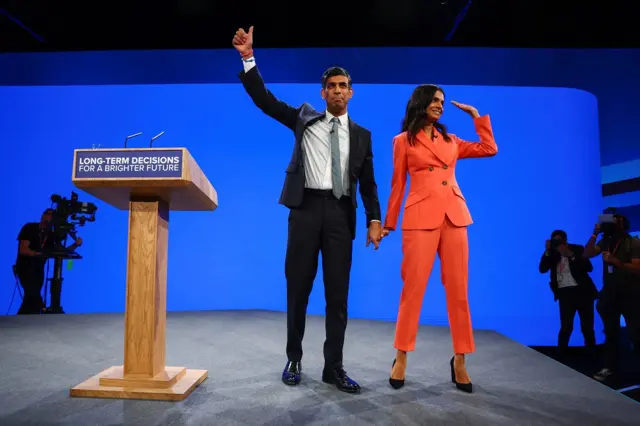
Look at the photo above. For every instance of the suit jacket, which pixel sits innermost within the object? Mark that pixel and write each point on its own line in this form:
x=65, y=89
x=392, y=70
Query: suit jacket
x=298, y=119
x=580, y=268
x=434, y=193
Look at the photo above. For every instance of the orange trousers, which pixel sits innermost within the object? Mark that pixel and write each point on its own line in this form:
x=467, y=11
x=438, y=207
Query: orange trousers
x=419, y=252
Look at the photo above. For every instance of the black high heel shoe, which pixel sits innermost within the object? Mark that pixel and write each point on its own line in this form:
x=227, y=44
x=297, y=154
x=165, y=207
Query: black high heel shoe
x=395, y=383
x=465, y=387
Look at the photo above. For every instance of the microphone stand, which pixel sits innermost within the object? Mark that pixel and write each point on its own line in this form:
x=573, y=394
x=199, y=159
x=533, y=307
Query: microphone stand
x=155, y=137
x=130, y=137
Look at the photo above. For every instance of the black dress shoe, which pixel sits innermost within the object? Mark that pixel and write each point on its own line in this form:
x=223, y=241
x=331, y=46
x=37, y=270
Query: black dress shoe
x=395, y=383
x=338, y=377
x=465, y=387
x=291, y=373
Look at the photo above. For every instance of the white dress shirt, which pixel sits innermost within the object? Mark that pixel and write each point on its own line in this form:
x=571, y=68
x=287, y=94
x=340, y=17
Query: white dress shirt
x=316, y=148
x=563, y=275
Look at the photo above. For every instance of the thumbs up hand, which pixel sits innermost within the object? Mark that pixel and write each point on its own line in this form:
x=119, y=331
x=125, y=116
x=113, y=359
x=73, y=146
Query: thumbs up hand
x=243, y=42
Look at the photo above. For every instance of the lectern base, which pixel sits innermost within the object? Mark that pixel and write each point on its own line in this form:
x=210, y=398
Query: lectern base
x=184, y=381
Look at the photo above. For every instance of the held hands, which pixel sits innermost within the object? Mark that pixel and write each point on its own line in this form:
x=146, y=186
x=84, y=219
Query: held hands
x=243, y=42
x=383, y=232
x=467, y=108
x=374, y=235
x=78, y=241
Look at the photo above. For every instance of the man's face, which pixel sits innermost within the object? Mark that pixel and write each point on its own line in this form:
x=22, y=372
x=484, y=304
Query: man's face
x=337, y=92
x=436, y=108
x=560, y=239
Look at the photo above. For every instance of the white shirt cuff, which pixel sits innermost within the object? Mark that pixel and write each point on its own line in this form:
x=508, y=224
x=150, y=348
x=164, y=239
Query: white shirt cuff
x=248, y=63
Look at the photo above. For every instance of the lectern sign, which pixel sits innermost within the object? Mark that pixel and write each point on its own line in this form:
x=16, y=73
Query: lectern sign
x=149, y=163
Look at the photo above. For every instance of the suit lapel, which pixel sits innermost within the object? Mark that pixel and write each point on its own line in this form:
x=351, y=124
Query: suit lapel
x=311, y=118
x=307, y=120
x=426, y=141
x=446, y=150
x=353, y=143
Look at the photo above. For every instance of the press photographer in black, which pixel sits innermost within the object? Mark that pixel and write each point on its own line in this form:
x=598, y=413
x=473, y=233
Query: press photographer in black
x=620, y=294
x=572, y=287
x=34, y=239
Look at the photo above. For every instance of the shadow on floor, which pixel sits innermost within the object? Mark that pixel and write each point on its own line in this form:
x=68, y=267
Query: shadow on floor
x=588, y=362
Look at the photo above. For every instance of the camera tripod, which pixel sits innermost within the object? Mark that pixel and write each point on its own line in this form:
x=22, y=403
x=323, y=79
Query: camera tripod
x=53, y=285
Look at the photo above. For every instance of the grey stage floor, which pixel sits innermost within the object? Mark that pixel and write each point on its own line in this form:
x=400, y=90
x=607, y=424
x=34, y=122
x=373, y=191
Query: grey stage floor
x=43, y=356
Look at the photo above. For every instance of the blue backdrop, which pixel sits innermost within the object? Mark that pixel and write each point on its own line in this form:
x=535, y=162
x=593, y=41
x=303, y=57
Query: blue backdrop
x=608, y=74
x=233, y=258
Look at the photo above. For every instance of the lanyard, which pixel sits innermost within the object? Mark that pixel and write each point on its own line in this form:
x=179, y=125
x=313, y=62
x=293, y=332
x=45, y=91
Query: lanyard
x=612, y=253
x=616, y=248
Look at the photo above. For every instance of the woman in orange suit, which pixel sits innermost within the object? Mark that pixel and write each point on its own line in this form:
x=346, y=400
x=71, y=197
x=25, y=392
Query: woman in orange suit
x=435, y=220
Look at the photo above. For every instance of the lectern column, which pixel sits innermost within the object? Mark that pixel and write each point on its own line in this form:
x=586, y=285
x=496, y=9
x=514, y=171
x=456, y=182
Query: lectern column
x=144, y=374
x=145, y=318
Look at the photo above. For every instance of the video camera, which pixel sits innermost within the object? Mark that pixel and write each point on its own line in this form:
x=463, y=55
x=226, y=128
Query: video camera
x=608, y=222
x=67, y=214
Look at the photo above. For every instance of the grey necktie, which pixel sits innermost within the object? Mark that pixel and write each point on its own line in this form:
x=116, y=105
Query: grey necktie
x=336, y=170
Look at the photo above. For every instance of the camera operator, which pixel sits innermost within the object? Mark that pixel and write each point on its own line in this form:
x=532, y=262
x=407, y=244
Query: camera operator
x=620, y=294
x=572, y=287
x=35, y=238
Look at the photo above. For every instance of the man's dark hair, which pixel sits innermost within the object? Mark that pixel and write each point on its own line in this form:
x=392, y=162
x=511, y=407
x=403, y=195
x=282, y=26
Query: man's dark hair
x=560, y=233
x=626, y=224
x=332, y=72
x=48, y=211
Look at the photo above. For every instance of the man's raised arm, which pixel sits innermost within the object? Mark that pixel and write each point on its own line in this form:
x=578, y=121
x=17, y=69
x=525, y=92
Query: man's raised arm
x=592, y=249
x=254, y=84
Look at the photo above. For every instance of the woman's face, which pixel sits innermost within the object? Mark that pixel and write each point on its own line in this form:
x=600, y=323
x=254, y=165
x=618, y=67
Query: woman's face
x=436, y=108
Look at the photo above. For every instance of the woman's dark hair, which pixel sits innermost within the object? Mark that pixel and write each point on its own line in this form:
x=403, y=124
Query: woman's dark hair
x=415, y=116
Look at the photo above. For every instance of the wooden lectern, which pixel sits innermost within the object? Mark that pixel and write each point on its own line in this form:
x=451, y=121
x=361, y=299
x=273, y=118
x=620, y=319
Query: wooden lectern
x=149, y=182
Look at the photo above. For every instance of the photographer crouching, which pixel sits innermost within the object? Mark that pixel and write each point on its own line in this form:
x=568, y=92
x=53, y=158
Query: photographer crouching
x=572, y=287
x=620, y=294
x=34, y=240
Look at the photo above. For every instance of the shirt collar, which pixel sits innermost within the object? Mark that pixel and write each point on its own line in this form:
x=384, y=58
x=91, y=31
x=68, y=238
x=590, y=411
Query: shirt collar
x=344, y=118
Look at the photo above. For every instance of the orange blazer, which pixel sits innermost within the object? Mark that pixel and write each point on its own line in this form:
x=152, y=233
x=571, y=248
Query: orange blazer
x=433, y=192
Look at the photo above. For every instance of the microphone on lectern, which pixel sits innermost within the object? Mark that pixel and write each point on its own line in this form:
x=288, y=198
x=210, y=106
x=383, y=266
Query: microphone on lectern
x=155, y=137
x=129, y=137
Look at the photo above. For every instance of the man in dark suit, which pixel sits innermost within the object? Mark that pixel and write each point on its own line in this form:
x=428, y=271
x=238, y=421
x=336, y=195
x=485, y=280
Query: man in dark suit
x=572, y=287
x=330, y=156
